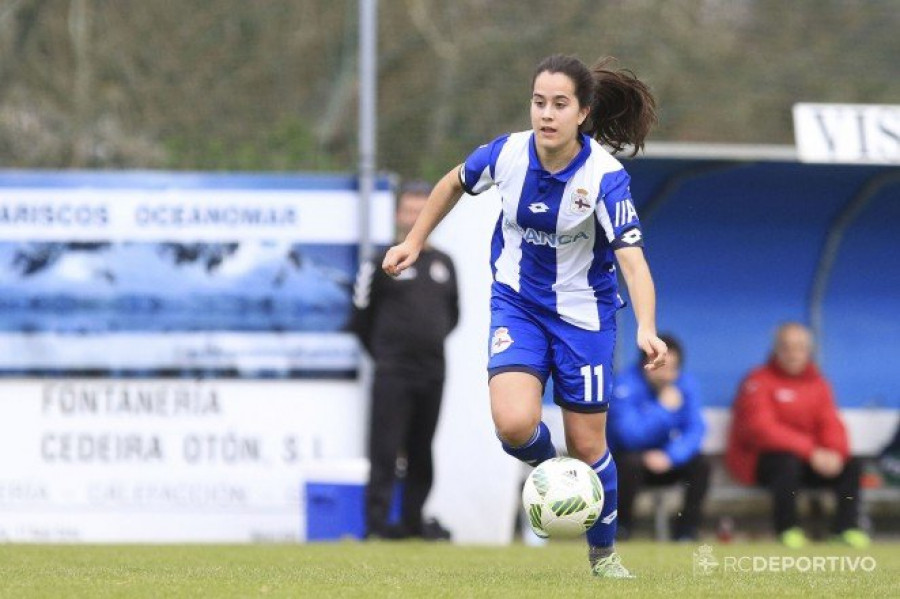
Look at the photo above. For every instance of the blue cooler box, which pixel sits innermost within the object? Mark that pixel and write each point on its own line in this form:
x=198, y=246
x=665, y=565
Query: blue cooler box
x=335, y=511
x=333, y=499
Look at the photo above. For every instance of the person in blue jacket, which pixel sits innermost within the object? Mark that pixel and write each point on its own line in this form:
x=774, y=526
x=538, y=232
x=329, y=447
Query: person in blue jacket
x=656, y=429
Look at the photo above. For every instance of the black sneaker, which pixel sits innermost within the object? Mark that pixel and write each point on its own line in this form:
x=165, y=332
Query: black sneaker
x=684, y=534
x=433, y=531
x=391, y=532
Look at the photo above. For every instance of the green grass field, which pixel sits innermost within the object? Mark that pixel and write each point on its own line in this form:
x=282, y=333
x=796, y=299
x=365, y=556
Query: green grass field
x=415, y=569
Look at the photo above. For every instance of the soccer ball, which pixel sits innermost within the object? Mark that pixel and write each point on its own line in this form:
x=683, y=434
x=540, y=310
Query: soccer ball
x=562, y=497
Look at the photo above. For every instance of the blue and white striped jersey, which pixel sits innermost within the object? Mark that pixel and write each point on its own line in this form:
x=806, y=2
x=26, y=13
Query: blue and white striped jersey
x=554, y=241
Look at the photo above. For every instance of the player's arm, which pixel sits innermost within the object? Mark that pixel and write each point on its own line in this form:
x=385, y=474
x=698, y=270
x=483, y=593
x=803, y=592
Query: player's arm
x=683, y=447
x=637, y=425
x=443, y=198
x=366, y=295
x=643, y=298
x=619, y=219
x=755, y=415
x=830, y=431
x=453, y=297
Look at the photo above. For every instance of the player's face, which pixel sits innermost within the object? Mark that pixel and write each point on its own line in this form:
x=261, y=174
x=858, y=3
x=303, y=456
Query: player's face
x=555, y=112
x=408, y=210
x=666, y=374
x=793, y=349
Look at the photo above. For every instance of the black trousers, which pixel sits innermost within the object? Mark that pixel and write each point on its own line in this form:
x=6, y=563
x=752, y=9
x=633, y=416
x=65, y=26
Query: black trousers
x=403, y=421
x=784, y=474
x=633, y=476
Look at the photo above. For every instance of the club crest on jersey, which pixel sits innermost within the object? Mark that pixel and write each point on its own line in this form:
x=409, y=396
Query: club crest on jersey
x=579, y=202
x=500, y=341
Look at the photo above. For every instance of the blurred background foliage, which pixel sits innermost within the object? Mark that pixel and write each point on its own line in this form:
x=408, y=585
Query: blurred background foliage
x=271, y=84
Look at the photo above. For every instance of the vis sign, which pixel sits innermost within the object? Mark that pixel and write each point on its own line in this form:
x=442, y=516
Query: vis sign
x=848, y=133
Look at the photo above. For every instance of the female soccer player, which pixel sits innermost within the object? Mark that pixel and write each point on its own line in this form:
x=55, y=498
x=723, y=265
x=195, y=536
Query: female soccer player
x=567, y=212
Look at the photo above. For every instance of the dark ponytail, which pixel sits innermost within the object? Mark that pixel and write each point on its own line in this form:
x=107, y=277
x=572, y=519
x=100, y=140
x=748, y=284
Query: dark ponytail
x=622, y=108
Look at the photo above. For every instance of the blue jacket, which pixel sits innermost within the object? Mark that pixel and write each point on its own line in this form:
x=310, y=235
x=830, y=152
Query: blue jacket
x=637, y=422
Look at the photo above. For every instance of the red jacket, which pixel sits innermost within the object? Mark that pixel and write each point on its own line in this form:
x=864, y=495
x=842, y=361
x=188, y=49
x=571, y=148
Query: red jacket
x=778, y=412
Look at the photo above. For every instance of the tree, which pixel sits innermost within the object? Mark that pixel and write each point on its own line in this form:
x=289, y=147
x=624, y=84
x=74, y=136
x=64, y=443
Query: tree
x=231, y=84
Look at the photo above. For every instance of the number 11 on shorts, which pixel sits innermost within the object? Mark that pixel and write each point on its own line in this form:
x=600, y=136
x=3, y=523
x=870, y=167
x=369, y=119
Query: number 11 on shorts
x=588, y=386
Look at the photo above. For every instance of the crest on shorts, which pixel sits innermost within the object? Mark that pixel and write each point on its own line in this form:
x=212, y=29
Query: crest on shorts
x=500, y=341
x=579, y=202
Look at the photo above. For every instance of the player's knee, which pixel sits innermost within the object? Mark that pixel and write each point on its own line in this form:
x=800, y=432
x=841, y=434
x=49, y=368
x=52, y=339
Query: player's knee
x=587, y=449
x=516, y=430
x=791, y=465
x=783, y=468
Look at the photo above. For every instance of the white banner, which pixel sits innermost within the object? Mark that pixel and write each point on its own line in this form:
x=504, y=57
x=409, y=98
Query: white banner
x=849, y=133
x=307, y=216
x=167, y=461
x=227, y=354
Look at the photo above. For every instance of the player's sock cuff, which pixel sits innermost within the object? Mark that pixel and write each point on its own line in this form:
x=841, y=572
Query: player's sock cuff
x=601, y=464
x=527, y=444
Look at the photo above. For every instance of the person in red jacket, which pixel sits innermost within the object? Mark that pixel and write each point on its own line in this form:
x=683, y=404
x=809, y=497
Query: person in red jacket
x=786, y=433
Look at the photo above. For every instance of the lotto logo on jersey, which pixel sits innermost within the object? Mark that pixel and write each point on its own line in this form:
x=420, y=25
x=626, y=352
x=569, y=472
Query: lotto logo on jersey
x=625, y=213
x=579, y=202
x=632, y=237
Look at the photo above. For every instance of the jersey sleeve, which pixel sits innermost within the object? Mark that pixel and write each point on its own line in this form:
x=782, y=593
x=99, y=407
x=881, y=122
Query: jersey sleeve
x=477, y=172
x=683, y=447
x=616, y=211
x=366, y=294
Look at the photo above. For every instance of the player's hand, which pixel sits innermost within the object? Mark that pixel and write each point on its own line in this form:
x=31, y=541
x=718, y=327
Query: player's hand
x=657, y=461
x=654, y=347
x=826, y=462
x=399, y=258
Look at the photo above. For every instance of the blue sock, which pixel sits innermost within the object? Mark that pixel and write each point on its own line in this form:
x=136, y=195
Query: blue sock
x=603, y=533
x=538, y=449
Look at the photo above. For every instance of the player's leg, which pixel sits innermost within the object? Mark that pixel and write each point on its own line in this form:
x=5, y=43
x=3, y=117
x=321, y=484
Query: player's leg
x=845, y=487
x=586, y=440
x=582, y=378
x=781, y=472
x=694, y=476
x=419, y=460
x=517, y=370
x=846, y=491
x=631, y=470
x=388, y=423
x=516, y=410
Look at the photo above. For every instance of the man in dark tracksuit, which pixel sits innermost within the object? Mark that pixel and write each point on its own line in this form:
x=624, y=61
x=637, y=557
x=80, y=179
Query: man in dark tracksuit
x=402, y=322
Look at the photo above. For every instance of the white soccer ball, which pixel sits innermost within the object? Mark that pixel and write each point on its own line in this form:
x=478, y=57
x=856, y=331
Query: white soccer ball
x=563, y=498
